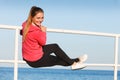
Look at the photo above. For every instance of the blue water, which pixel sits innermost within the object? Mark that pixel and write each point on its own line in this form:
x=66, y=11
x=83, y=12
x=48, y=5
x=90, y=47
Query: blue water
x=56, y=74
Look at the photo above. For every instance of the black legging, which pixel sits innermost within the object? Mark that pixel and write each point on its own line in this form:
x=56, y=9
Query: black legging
x=59, y=57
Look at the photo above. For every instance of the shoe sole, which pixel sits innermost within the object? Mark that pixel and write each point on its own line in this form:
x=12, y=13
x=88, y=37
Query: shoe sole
x=80, y=68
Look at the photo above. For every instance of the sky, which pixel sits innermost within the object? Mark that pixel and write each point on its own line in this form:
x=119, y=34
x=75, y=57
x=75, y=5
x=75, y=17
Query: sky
x=83, y=15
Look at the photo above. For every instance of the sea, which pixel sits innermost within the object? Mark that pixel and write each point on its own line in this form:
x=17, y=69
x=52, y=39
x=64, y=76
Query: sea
x=7, y=73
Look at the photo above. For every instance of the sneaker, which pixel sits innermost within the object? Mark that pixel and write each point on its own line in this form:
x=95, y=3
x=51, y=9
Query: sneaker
x=78, y=65
x=83, y=58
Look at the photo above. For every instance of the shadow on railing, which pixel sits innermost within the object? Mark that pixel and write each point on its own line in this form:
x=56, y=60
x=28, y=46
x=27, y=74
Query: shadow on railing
x=16, y=61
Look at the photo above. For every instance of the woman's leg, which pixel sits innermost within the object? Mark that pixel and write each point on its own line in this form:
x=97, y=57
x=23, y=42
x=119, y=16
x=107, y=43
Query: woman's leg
x=60, y=57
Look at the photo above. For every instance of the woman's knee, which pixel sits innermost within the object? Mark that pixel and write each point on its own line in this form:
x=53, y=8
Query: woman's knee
x=56, y=45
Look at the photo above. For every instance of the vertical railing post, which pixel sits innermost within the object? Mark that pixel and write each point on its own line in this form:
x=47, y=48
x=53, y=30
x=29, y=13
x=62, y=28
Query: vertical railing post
x=116, y=57
x=16, y=55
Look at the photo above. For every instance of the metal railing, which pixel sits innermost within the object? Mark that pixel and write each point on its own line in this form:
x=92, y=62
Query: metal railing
x=16, y=61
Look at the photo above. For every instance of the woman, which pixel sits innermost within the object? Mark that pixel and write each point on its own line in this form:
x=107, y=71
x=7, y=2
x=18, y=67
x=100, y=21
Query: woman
x=34, y=49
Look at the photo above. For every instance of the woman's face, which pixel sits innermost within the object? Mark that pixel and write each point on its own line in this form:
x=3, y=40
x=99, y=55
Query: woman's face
x=38, y=19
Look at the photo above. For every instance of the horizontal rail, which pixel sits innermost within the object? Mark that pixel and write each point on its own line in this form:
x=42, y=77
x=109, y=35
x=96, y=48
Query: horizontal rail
x=82, y=32
x=90, y=64
x=9, y=27
x=67, y=31
x=12, y=61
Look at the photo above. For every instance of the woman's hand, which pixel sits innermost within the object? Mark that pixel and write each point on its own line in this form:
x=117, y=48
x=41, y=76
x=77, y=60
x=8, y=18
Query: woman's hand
x=43, y=28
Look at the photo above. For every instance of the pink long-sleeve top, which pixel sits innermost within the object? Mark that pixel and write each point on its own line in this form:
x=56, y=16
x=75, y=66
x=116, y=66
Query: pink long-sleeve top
x=32, y=45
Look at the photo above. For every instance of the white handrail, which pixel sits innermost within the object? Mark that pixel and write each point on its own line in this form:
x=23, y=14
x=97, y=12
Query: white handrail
x=88, y=64
x=66, y=31
x=16, y=61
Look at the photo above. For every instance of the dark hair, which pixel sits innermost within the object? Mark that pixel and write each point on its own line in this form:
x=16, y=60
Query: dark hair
x=34, y=10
